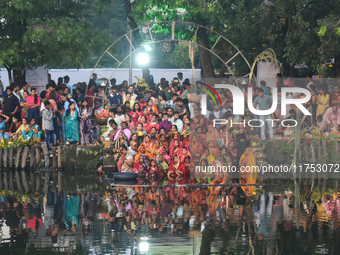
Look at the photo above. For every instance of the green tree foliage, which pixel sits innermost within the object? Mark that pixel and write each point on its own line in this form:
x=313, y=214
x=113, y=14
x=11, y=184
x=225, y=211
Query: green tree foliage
x=56, y=33
x=299, y=31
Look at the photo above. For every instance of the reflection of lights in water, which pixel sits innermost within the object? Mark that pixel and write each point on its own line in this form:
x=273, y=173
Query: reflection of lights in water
x=143, y=246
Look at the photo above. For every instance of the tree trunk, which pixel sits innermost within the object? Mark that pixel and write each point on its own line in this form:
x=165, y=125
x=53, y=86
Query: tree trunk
x=337, y=69
x=291, y=71
x=132, y=23
x=205, y=56
x=9, y=71
x=146, y=75
x=19, y=77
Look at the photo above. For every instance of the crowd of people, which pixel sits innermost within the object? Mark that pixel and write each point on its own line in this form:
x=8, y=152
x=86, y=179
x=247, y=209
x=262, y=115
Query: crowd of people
x=151, y=129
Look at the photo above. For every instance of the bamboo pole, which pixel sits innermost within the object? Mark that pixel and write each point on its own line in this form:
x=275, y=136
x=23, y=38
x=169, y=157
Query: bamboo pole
x=319, y=149
x=54, y=153
x=324, y=148
x=5, y=157
x=37, y=155
x=32, y=180
x=59, y=182
x=46, y=182
x=59, y=157
x=24, y=157
x=312, y=144
x=24, y=181
x=37, y=185
x=5, y=181
x=46, y=156
x=18, y=156
x=336, y=146
x=32, y=158
x=198, y=185
x=11, y=183
x=1, y=186
x=11, y=151
x=1, y=150
x=17, y=180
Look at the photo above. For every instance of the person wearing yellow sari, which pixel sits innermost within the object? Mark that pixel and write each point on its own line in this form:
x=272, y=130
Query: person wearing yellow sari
x=247, y=161
x=207, y=154
x=322, y=102
x=213, y=148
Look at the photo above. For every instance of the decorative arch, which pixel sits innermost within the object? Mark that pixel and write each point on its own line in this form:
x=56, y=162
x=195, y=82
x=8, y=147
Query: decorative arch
x=190, y=26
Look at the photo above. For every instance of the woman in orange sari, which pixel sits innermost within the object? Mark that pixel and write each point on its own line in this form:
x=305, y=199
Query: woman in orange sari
x=247, y=161
x=142, y=151
x=147, y=143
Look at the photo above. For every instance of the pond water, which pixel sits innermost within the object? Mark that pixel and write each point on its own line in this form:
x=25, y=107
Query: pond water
x=67, y=215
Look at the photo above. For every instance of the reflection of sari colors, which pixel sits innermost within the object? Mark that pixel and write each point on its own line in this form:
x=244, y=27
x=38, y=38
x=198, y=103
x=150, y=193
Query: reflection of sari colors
x=248, y=160
x=142, y=151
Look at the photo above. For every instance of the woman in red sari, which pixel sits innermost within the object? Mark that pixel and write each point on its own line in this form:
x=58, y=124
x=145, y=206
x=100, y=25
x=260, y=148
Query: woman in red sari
x=176, y=136
x=176, y=170
x=141, y=166
x=144, y=121
x=176, y=149
x=90, y=94
x=135, y=113
x=153, y=171
x=185, y=153
x=153, y=123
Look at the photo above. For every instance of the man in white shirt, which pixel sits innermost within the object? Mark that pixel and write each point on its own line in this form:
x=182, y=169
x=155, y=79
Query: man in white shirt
x=27, y=87
x=180, y=77
x=176, y=121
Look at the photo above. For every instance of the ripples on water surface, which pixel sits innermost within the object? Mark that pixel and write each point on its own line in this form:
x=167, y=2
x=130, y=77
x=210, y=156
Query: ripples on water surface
x=84, y=217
